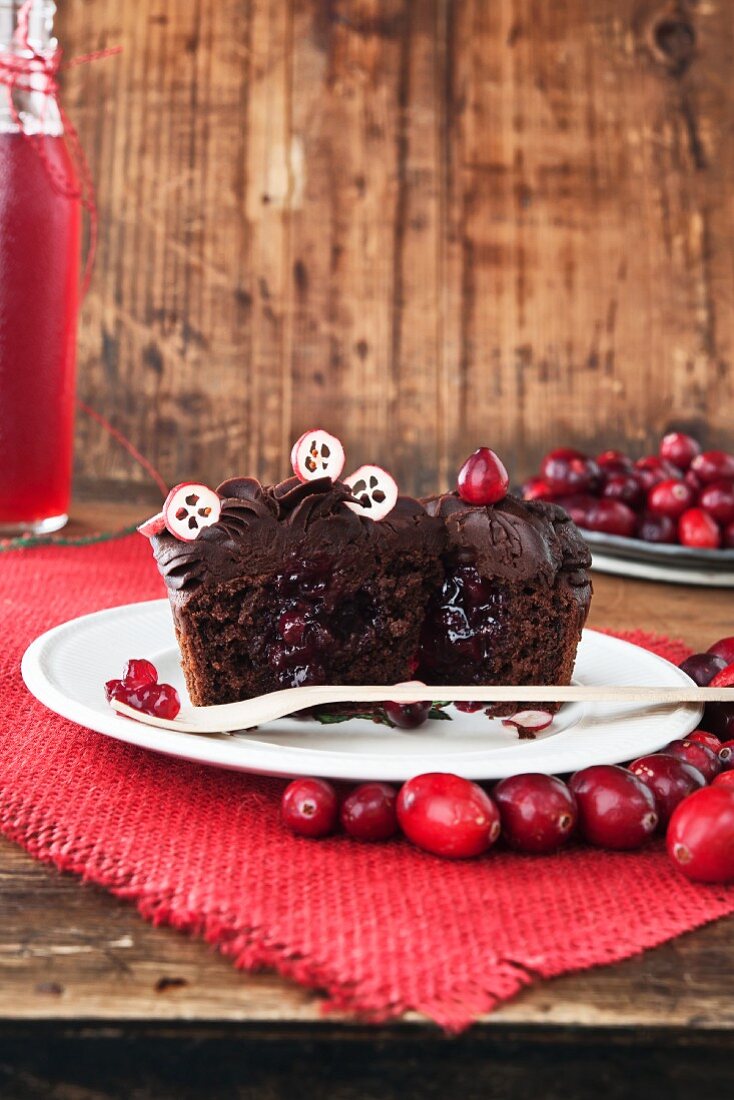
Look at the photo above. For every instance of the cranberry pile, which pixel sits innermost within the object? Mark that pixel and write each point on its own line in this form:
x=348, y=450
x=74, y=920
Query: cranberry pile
x=139, y=688
x=685, y=793
x=680, y=495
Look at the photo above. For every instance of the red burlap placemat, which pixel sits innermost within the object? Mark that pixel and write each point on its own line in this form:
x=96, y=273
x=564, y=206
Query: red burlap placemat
x=382, y=929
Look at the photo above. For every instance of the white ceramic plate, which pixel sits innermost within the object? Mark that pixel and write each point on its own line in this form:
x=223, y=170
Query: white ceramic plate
x=66, y=669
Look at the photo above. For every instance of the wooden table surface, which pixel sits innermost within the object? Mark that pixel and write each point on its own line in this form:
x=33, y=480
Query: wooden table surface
x=76, y=963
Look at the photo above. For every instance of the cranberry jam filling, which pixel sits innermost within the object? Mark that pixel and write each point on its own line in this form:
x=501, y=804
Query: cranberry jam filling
x=463, y=623
x=311, y=617
x=480, y=630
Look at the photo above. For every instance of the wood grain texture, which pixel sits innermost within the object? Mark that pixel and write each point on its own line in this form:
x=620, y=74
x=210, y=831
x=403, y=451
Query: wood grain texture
x=75, y=953
x=426, y=225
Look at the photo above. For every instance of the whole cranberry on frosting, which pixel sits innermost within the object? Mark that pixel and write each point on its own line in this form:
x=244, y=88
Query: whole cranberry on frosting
x=483, y=478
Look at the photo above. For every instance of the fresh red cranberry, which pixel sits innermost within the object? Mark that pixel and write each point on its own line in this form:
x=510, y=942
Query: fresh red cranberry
x=693, y=481
x=535, y=488
x=718, y=500
x=447, y=815
x=407, y=716
x=724, y=649
x=612, y=517
x=713, y=466
x=578, y=506
x=700, y=756
x=369, y=813
x=702, y=667
x=700, y=838
x=625, y=487
x=568, y=471
x=483, y=478
x=115, y=689
x=719, y=718
x=670, y=498
x=724, y=679
x=139, y=672
x=651, y=470
x=728, y=765
x=614, y=462
x=697, y=528
x=710, y=740
x=660, y=529
x=538, y=812
x=724, y=779
x=616, y=809
x=728, y=536
x=310, y=807
x=670, y=780
x=680, y=449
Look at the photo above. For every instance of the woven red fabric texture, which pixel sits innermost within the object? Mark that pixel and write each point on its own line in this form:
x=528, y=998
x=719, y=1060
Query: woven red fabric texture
x=382, y=929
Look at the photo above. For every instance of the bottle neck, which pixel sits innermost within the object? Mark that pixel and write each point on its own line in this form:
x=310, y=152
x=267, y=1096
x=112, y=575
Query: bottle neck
x=32, y=110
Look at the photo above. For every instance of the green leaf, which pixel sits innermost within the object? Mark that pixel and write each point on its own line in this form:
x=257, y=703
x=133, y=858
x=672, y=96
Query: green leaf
x=438, y=715
x=333, y=719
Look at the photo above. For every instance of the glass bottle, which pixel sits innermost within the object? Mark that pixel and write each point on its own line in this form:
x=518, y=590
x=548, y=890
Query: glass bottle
x=40, y=219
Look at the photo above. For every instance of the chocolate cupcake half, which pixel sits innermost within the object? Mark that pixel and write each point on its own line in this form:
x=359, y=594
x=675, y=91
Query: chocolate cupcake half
x=290, y=586
x=514, y=599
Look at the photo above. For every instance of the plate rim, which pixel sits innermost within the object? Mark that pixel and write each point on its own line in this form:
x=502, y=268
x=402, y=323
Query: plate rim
x=662, y=553
x=212, y=750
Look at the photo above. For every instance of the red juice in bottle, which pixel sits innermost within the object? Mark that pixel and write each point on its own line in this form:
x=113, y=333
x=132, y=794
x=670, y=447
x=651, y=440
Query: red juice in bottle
x=39, y=278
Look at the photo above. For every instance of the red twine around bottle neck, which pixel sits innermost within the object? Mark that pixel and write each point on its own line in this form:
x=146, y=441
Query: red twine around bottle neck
x=35, y=71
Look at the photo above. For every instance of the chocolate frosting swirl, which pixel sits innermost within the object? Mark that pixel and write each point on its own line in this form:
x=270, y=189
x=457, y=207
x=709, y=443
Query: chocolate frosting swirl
x=259, y=525
x=513, y=540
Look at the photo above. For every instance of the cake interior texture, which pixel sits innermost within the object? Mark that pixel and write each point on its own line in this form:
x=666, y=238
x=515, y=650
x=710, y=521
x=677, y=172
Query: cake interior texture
x=292, y=588
x=514, y=599
x=483, y=631
x=317, y=621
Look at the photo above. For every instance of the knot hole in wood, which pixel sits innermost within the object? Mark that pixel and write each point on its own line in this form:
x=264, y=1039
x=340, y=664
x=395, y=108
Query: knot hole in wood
x=671, y=39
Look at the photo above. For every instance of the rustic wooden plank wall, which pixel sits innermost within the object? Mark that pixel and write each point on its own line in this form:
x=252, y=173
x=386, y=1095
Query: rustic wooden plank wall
x=424, y=224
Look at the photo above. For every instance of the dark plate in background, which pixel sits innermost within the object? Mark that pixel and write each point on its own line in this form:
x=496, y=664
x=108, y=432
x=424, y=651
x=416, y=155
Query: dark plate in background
x=658, y=553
